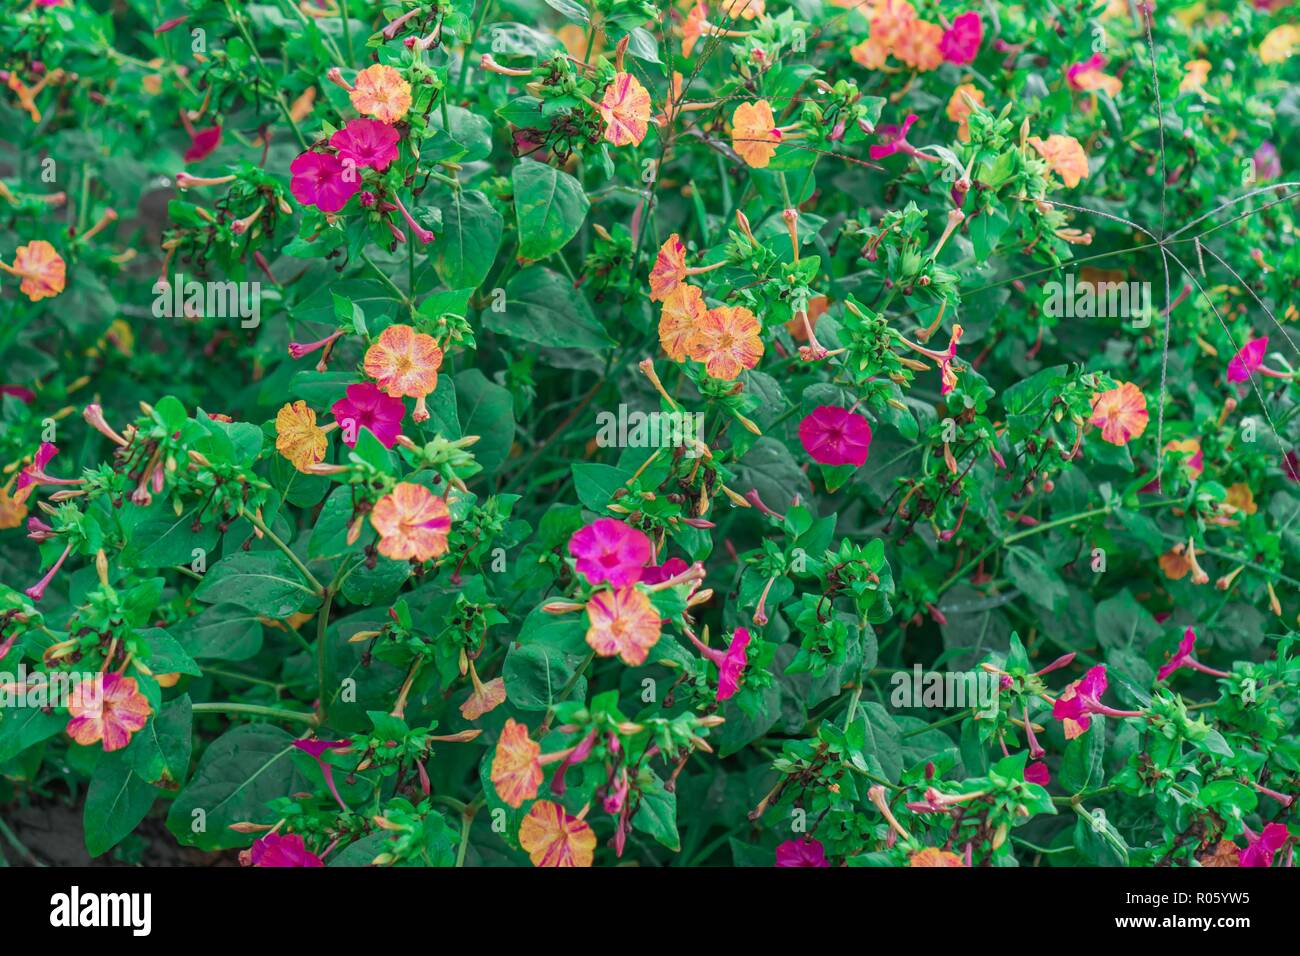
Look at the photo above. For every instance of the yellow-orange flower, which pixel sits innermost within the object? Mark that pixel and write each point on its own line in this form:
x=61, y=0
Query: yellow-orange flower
x=485, y=697
x=1090, y=78
x=516, y=766
x=1198, y=71
x=553, y=838
x=404, y=362
x=728, y=341
x=625, y=108
x=754, y=135
x=1239, y=497
x=742, y=9
x=696, y=23
x=959, y=108
x=918, y=45
x=623, y=623
x=683, y=312
x=297, y=436
x=1280, y=43
x=933, y=856
x=1064, y=156
x=412, y=522
x=381, y=92
x=669, y=268
x=870, y=54
x=1175, y=562
x=41, y=268
x=12, y=513
x=1120, y=413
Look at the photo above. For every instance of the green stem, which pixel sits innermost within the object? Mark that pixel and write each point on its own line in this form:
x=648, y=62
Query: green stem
x=271, y=536
x=255, y=710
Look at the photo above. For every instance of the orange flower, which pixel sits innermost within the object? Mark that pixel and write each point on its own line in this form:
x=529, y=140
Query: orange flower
x=728, y=340
x=625, y=109
x=405, y=362
x=696, y=24
x=516, y=765
x=553, y=838
x=297, y=436
x=1193, y=459
x=669, y=268
x=959, y=108
x=623, y=622
x=918, y=45
x=1280, y=44
x=412, y=523
x=754, y=133
x=683, y=311
x=1198, y=71
x=1089, y=76
x=1064, y=156
x=742, y=9
x=870, y=54
x=485, y=698
x=381, y=92
x=12, y=512
x=41, y=268
x=1120, y=413
x=111, y=713
x=933, y=856
x=1175, y=563
x=1239, y=497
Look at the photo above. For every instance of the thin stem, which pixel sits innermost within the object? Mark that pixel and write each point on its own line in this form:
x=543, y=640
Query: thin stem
x=271, y=536
x=255, y=710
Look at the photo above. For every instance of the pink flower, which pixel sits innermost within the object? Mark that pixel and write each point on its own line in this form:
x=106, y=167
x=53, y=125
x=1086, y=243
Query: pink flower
x=24, y=395
x=1038, y=773
x=835, y=436
x=1261, y=847
x=367, y=142
x=316, y=749
x=894, y=139
x=1082, y=699
x=1183, y=658
x=1268, y=165
x=961, y=41
x=731, y=663
x=367, y=406
x=610, y=551
x=804, y=851
x=658, y=573
x=34, y=474
x=202, y=143
x=276, y=850
x=1250, y=359
x=320, y=180
x=109, y=716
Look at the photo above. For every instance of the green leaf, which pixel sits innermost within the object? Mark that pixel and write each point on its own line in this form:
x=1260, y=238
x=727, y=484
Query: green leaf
x=543, y=307
x=238, y=775
x=117, y=800
x=487, y=410
x=261, y=581
x=550, y=206
x=464, y=253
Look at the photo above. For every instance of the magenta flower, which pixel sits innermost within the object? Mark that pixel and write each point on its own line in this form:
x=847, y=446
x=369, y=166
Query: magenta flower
x=894, y=140
x=1094, y=63
x=1183, y=658
x=280, y=851
x=1082, y=699
x=1250, y=359
x=731, y=663
x=962, y=40
x=24, y=395
x=1261, y=847
x=34, y=474
x=202, y=143
x=610, y=551
x=1268, y=164
x=835, y=436
x=319, y=180
x=1038, y=773
x=802, y=852
x=316, y=749
x=367, y=142
x=367, y=406
x=658, y=573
